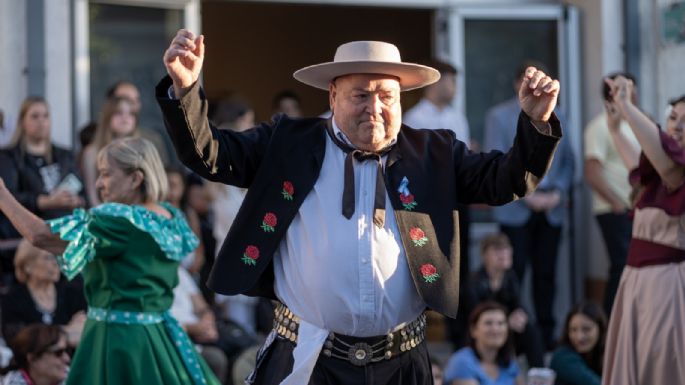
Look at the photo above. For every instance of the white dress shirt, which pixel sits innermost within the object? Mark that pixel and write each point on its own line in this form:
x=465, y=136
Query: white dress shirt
x=340, y=275
x=427, y=115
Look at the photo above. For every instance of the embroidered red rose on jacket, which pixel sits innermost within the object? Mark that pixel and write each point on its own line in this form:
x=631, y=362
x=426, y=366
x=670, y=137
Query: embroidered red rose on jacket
x=429, y=273
x=408, y=201
x=418, y=236
x=269, y=222
x=251, y=255
x=288, y=190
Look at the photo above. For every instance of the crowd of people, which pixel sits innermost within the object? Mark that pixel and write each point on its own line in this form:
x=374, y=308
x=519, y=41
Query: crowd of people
x=113, y=269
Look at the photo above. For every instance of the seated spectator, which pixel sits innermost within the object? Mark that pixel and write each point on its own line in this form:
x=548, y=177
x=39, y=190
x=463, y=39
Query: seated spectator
x=496, y=281
x=438, y=375
x=197, y=318
x=41, y=356
x=489, y=358
x=177, y=197
x=40, y=297
x=579, y=358
x=199, y=199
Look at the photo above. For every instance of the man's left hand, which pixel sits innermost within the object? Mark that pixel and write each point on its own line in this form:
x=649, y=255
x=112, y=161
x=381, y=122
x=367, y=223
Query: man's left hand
x=538, y=95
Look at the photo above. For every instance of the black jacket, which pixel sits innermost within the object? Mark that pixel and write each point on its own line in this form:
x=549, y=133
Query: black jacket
x=442, y=171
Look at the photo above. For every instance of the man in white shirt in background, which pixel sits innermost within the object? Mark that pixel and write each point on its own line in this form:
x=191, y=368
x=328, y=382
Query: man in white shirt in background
x=607, y=175
x=434, y=111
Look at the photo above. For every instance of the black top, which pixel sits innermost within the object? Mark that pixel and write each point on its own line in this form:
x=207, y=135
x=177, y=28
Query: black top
x=478, y=290
x=19, y=309
x=28, y=176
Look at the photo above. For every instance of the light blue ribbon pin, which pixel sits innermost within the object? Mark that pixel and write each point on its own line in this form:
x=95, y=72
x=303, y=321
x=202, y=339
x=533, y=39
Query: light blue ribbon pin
x=403, y=187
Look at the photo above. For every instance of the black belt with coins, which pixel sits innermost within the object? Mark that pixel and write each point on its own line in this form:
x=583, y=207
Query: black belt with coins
x=358, y=351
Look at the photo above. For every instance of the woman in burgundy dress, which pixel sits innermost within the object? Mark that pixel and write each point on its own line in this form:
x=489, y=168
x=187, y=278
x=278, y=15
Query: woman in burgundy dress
x=646, y=337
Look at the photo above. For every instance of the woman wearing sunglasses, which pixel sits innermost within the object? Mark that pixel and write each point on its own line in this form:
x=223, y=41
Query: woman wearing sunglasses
x=41, y=357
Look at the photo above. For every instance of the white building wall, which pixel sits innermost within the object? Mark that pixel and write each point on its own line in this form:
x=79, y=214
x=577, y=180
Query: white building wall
x=58, y=82
x=13, y=60
x=670, y=72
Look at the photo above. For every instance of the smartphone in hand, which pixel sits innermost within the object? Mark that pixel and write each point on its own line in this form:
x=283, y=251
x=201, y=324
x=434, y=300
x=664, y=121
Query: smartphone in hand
x=71, y=183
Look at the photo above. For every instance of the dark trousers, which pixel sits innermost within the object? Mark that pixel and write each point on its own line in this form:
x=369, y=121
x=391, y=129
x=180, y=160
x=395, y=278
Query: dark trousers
x=410, y=368
x=538, y=242
x=616, y=231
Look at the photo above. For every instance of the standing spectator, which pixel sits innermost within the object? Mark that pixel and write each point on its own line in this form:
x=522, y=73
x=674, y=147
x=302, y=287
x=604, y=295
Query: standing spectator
x=117, y=120
x=497, y=282
x=287, y=102
x=36, y=171
x=533, y=224
x=489, y=359
x=647, y=328
x=38, y=166
x=607, y=175
x=234, y=113
x=41, y=357
x=40, y=297
x=578, y=361
x=435, y=111
x=128, y=90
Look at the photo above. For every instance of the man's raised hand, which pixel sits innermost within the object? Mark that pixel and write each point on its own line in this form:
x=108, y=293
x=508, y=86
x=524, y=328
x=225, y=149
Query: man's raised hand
x=538, y=94
x=183, y=60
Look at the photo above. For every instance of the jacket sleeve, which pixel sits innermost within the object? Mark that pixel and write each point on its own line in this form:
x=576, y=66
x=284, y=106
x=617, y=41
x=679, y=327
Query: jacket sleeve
x=496, y=178
x=217, y=155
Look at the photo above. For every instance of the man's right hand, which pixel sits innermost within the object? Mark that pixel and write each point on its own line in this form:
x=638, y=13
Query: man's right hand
x=183, y=60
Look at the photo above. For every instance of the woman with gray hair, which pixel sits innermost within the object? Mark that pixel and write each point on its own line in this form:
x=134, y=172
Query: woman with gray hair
x=128, y=249
x=40, y=297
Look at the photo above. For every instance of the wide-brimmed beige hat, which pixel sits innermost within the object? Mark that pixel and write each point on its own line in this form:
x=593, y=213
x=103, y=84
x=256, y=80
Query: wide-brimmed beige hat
x=368, y=57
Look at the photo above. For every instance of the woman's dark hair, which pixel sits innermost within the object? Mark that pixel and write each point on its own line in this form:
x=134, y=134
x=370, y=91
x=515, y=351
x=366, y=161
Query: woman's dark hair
x=505, y=353
x=34, y=339
x=679, y=99
x=595, y=313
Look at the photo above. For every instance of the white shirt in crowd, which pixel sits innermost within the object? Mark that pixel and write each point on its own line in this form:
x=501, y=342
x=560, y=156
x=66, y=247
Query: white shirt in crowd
x=425, y=114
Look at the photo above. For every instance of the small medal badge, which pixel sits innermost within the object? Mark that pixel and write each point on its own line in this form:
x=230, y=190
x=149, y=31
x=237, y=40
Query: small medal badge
x=251, y=255
x=406, y=197
x=429, y=273
x=288, y=190
x=418, y=237
x=269, y=222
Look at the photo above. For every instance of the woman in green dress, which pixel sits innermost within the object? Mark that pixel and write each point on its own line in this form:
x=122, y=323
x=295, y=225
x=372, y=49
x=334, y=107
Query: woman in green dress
x=128, y=250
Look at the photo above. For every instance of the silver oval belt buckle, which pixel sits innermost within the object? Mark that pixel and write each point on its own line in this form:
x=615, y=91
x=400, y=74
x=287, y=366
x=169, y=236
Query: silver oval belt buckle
x=360, y=354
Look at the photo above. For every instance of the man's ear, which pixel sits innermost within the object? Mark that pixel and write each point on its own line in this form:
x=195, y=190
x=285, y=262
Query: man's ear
x=332, y=94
